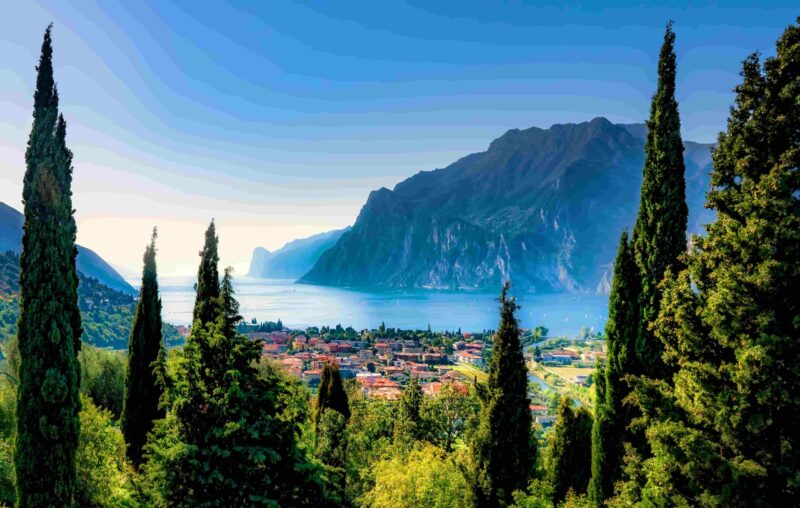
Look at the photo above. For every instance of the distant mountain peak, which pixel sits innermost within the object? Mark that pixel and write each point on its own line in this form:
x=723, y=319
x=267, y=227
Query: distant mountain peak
x=542, y=206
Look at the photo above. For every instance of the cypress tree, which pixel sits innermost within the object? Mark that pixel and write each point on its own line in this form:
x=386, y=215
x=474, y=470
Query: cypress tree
x=728, y=432
x=49, y=326
x=143, y=387
x=331, y=393
x=207, y=286
x=503, y=452
x=659, y=236
x=330, y=423
x=611, y=417
x=570, y=451
x=231, y=437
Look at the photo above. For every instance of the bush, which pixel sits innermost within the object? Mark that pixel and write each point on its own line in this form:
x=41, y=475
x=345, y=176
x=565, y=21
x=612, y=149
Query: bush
x=104, y=478
x=424, y=477
x=103, y=377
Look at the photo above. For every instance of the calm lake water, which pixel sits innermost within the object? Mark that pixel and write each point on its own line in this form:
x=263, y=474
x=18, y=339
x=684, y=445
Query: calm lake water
x=300, y=305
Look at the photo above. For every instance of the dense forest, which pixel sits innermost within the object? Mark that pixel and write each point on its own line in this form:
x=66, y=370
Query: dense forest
x=695, y=405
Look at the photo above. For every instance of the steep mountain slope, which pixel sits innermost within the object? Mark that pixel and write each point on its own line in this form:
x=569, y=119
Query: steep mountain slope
x=107, y=314
x=293, y=259
x=88, y=262
x=544, y=207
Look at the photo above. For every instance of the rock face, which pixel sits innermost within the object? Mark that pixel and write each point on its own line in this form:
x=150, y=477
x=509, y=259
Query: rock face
x=88, y=262
x=293, y=259
x=543, y=207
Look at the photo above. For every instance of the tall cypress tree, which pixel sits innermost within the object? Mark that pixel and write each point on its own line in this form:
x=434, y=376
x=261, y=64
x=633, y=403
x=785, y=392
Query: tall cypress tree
x=49, y=322
x=611, y=417
x=206, y=304
x=331, y=393
x=570, y=451
x=143, y=386
x=503, y=451
x=728, y=432
x=659, y=236
x=231, y=437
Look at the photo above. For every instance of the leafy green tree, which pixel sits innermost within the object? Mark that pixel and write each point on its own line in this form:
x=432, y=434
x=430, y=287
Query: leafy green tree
x=370, y=437
x=659, y=237
x=503, y=451
x=611, y=416
x=331, y=393
x=104, y=478
x=49, y=323
x=423, y=477
x=409, y=426
x=726, y=432
x=103, y=377
x=143, y=386
x=450, y=414
x=331, y=450
x=569, y=457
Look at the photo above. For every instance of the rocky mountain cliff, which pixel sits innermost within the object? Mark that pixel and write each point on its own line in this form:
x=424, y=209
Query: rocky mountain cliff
x=293, y=259
x=543, y=207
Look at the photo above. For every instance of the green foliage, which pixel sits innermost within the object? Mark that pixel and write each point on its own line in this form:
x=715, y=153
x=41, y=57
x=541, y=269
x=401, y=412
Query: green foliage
x=49, y=325
x=207, y=286
x=611, y=416
x=331, y=450
x=106, y=314
x=331, y=394
x=103, y=476
x=103, y=377
x=8, y=428
x=408, y=425
x=144, y=384
x=450, y=416
x=422, y=477
x=370, y=438
x=503, y=451
x=231, y=438
x=726, y=431
x=659, y=237
x=569, y=453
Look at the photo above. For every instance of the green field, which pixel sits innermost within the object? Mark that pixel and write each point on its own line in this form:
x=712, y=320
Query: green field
x=569, y=373
x=472, y=372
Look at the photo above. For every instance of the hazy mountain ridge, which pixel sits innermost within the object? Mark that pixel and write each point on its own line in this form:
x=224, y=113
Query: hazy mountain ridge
x=543, y=206
x=293, y=259
x=89, y=263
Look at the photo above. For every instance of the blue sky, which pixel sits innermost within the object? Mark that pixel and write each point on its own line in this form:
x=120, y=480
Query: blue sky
x=278, y=118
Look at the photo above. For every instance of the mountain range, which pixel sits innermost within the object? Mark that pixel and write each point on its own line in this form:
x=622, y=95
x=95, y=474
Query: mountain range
x=542, y=207
x=294, y=259
x=88, y=262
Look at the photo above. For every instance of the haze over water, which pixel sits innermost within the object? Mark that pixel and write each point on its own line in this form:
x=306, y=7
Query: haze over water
x=301, y=305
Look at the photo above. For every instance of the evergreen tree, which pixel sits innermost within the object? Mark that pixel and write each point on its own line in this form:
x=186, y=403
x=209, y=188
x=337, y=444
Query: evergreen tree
x=503, y=451
x=659, y=236
x=143, y=385
x=570, y=451
x=207, y=286
x=611, y=417
x=231, y=438
x=728, y=432
x=49, y=326
x=331, y=393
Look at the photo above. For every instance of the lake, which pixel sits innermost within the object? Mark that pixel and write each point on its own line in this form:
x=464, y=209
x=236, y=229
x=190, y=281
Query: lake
x=301, y=305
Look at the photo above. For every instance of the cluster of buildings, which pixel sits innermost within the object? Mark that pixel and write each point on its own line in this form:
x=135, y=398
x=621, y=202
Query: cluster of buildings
x=381, y=367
